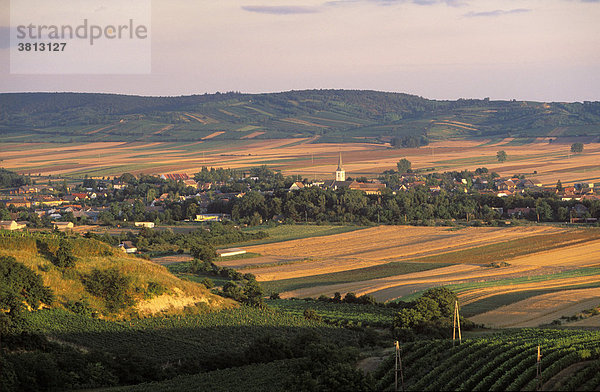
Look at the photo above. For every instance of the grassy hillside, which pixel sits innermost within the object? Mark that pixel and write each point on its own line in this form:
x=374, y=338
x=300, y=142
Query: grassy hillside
x=147, y=288
x=330, y=115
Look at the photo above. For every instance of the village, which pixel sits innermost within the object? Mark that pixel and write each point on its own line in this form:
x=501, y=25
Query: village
x=149, y=201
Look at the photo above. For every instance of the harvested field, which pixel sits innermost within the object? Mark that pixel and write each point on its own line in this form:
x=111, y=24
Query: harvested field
x=212, y=135
x=542, y=309
x=252, y=135
x=305, y=157
x=395, y=287
x=375, y=246
x=379, y=261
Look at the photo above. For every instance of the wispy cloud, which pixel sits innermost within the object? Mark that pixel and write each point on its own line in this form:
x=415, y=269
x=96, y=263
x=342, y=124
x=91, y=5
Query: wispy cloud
x=281, y=9
x=496, y=13
x=452, y=3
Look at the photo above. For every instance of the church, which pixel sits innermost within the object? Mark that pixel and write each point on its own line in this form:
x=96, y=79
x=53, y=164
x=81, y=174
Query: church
x=340, y=177
x=370, y=188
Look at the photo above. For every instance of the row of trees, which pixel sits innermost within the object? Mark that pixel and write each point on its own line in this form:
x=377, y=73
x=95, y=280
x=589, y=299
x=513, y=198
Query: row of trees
x=412, y=206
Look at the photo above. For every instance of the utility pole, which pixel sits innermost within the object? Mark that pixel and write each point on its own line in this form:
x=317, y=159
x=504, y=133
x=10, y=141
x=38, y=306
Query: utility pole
x=538, y=367
x=456, y=325
x=398, y=368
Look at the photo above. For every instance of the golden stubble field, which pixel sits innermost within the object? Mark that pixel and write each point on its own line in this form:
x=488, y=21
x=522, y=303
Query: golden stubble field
x=302, y=156
x=369, y=247
x=311, y=257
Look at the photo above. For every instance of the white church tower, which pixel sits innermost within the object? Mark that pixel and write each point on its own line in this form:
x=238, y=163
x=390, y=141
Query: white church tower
x=340, y=173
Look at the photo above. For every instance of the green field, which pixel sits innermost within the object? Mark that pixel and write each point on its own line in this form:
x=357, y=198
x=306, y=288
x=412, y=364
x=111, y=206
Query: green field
x=509, y=249
x=355, y=275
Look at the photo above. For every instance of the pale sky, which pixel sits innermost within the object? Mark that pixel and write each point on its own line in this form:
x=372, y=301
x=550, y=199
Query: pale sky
x=545, y=50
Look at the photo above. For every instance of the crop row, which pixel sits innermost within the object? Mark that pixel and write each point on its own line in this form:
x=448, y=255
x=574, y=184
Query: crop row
x=501, y=362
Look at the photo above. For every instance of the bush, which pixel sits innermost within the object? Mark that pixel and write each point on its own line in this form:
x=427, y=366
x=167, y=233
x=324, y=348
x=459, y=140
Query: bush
x=112, y=286
x=208, y=283
x=64, y=255
x=311, y=314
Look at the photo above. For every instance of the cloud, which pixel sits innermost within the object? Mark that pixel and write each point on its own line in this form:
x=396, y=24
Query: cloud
x=496, y=13
x=452, y=3
x=281, y=9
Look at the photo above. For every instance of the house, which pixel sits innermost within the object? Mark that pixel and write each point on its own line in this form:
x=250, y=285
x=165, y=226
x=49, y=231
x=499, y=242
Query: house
x=80, y=196
x=28, y=189
x=230, y=252
x=507, y=185
x=62, y=226
x=127, y=247
x=335, y=185
x=370, y=188
x=148, y=225
x=18, y=203
x=191, y=183
x=175, y=176
x=296, y=185
x=11, y=225
x=518, y=212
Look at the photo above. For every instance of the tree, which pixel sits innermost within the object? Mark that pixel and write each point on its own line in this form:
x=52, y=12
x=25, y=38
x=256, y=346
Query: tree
x=64, y=255
x=19, y=287
x=501, y=156
x=111, y=285
x=559, y=186
x=204, y=252
x=577, y=147
x=403, y=165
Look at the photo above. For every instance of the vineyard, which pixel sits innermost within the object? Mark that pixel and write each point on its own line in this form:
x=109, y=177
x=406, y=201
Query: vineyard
x=213, y=337
x=250, y=378
x=339, y=313
x=502, y=362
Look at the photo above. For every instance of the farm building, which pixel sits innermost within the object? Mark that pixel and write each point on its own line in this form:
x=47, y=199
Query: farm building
x=148, y=225
x=296, y=185
x=230, y=252
x=127, y=247
x=62, y=225
x=367, y=187
x=12, y=225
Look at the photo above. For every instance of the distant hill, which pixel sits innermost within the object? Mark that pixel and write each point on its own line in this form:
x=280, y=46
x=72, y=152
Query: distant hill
x=91, y=285
x=329, y=115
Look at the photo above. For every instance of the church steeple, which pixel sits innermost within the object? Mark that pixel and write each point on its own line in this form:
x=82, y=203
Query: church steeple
x=340, y=174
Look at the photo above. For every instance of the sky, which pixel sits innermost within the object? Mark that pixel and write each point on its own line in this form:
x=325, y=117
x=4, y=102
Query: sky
x=543, y=50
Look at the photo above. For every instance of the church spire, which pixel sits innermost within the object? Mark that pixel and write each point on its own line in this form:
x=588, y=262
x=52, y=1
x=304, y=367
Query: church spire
x=340, y=173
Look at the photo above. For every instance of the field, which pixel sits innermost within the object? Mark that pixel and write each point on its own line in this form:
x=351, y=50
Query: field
x=502, y=362
x=309, y=157
x=491, y=269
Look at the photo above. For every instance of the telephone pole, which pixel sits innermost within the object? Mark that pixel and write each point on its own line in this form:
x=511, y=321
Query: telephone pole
x=538, y=367
x=398, y=368
x=456, y=325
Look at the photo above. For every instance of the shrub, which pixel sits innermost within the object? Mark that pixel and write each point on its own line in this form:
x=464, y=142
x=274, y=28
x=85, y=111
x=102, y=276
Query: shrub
x=112, y=286
x=311, y=314
x=64, y=255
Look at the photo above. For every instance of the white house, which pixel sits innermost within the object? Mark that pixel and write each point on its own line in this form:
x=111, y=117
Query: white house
x=11, y=225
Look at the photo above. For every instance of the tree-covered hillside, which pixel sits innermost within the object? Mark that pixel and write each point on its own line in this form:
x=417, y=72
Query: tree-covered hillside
x=332, y=115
